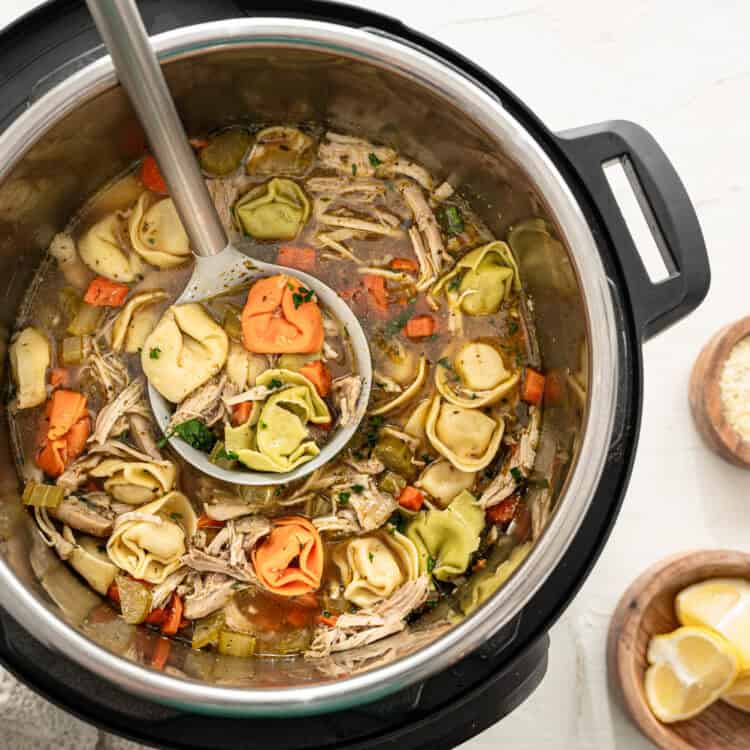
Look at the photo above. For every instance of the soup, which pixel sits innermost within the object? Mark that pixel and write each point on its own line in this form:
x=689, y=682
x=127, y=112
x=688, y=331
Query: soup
x=424, y=511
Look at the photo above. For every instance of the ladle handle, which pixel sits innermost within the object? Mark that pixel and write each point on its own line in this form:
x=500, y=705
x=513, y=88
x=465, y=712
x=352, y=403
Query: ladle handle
x=138, y=69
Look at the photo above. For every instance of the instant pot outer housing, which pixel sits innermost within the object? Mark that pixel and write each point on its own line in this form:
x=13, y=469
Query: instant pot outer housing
x=68, y=128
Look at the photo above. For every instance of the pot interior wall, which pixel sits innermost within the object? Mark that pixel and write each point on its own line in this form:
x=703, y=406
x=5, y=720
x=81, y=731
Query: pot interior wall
x=101, y=137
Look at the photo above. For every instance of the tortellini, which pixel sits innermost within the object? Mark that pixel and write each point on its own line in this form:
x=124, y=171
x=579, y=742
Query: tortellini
x=487, y=275
x=281, y=150
x=63, y=250
x=225, y=152
x=29, y=360
x=416, y=422
x=468, y=438
x=124, y=324
x=102, y=249
x=150, y=542
x=276, y=210
x=442, y=481
x=187, y=348
x=243, y=367
x=278, y=440
x=446, y=539
x=135, y=482
x=476, y=378
x=395, y=361
x=90, y=560
x=408, y=393
x=156, y=232
x=373, y=566
x=488, y=581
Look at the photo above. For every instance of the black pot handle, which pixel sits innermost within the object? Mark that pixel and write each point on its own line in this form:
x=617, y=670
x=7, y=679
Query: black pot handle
x=668, y=212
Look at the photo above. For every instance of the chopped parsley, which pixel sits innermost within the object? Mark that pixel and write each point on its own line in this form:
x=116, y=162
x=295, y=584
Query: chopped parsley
x=452, y=221
x=398, y=523
x=512, y=327
x=176, y=516
x=223, y=453
x=194, y=433
x=344, y=497
x=354, y=170
x=325, y=613
x=358, y=488
x=431, y=563
x=154, y=353
x=374, y=159
x=454, y=283
x=275, y=383
x=371, y=555
x=263, y=426
x=515, y=472
x=394, y=326
x=301, y=296
x=373, y=429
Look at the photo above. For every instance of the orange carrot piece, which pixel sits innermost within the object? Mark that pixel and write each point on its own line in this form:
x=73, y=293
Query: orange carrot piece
x=404, y=264
x=171, y=623
x=411, y=498
x=151, y=175
x=206, y=522
x=554, y=388
x=66, y=408
x=52, y=457
x=329, y=620
x=161, y=653
x=420, y=326
x=326, y=425
x=504, y=511
x=319, y=375
x=113, y=593
x=156, y=616
x=296, y=256
x=376, y=293
x=241, y=413
x=105, y=293
x=77, y=436
x=532, y=391
x=59, y=376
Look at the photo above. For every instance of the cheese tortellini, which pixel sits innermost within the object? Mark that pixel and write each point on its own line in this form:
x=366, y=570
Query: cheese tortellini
x=243, y=367
x=29, y=360
x=275, y=210
x=156, y=232
x=281, y=150
x=468, y=438
x=446, y=539
x=90, y=560
x=125, y=323
x=373, y=566
x=187, y=348
x=278, y=440
x=149, y=543
x=102, y=248
x=135, y=482
x=442, y=481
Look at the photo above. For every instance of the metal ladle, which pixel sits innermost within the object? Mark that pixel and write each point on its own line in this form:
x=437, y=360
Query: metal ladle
x=219, y=264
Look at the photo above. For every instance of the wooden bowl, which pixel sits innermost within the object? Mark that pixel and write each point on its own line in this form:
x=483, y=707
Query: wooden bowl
x=705, y=396
x=647, y=609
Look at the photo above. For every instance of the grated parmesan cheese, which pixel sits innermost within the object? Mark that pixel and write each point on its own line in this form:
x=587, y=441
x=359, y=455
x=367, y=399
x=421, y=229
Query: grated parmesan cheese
x=734, y=386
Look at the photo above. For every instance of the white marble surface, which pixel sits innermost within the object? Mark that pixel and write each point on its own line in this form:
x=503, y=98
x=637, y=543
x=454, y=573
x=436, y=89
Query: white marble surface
x=681, y=69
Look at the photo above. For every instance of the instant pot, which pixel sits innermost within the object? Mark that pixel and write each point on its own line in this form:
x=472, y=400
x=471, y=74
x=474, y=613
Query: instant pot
x=66, y=128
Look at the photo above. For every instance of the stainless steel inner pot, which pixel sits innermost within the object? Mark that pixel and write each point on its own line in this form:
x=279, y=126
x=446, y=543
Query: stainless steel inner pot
x=82, y=132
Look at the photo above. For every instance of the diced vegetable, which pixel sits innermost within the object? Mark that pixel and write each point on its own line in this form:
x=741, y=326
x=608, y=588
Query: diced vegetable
x=59, y=376
x=236, y=644
x=113, y=593
x=42, y=495
x=171, y=624
x=77, y=436
x=404, y=264
x=87, y=320
x=232, y=324
x=504, y=511
x=241, y=413
x=377, y=296
x=52, y=457
x=64, y=410
x=392, y=483
x=224, y=152
x=73, y=351
x=328, y=620
x=207, y=630
x=206, y=522
x=411, y=498
x=302, y=258
x=135, y=599
x=395, y=455
x=69, y=300
x=161, y=653
x=156, y=616
x=319, y=375
x=532, y=390
x=151, y=175
x=420, y=326
x=105, y=293
x=219, y=456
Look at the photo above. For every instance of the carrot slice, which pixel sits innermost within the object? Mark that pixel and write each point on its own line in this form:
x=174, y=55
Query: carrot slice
x=151, y=175
x=156, y=616
x=504, y=511
x=113, y=593
x=420, y=326
x=206, y=522
x=411, y=498
x=404, y=264
x=105, y=293
x=66, y=408
x=532, y=391
x=296, y=256
x=319, y=375
x=329, y=620
x=161, y=653
x=52, y=458
x=171, y=623
x=59, y=376
x=377, y=296
x=76, y=437
x=281, y=317
x=241, y=413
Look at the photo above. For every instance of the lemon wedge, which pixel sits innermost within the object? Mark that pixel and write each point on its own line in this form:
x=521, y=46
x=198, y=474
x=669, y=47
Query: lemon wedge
x=690, y=668
x=722, y=604
x=738, y=695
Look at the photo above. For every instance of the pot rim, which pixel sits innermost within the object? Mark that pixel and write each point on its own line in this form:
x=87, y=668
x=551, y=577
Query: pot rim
x=373, y=47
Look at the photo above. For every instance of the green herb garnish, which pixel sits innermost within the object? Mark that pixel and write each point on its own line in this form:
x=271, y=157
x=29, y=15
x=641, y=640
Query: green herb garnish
x=358, y=488
x=275, y=383
x=354, y=170
x=515, y=472
x=194, y=433
x=154, y=353
x=454, y=283
x=393, y=327
x=374, y=160
x=512, y=327
x=176, y=516
x=301, y=296
x=263, y=426
x=371, y=555
x=431, y=563
x=344, y=497
x=452, y=220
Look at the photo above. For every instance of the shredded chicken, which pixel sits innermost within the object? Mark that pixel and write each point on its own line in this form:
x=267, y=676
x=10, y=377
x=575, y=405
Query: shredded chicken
x=129, y=400
x=442, y=192
x=341, y=522
x=162, y=591
x=354, y=156
x=427, y=274
x=366, y=466
x=345, y=392
x=210, y=593
x=205, y=563
x=51, y=536
x=205, y=403
x=142, y=432
x=372, y=506
x=372, y=623
x=84, y=516
x=385, y=383
x=427, y=226
x=408, y=168
x=225, y=510
x=224, y=194
x=361, y=225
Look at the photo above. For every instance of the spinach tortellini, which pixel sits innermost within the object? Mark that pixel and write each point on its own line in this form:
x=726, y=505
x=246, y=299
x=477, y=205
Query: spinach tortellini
x=150, y=542
x=276, y=210
x=135, y=482
x=103, y=249
x=487, y=276
x=29, y=360
x=225, y=151
x=468, y=438
x=373, y=566
x=187, y=348
x=156, y=232
x=446, y=539
x=281, y=150
x=278, y=439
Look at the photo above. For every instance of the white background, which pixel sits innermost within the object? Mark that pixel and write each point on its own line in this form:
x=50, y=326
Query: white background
x=681, y=68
